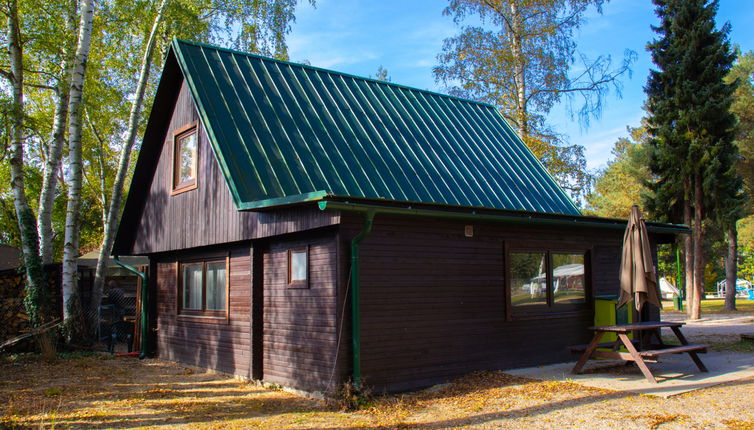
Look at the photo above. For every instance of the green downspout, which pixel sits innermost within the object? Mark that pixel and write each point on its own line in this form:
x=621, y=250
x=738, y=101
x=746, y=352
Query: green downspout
x=144, y=303
x=356, y=297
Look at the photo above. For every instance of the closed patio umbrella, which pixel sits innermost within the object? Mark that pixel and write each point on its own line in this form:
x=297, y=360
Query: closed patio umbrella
x=637, y=274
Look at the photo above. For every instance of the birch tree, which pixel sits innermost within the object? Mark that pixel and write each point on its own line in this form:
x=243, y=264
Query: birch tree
x=113, y=211
x=36, y=298
x=71, y=241
x=57, y=140
x=519, y=59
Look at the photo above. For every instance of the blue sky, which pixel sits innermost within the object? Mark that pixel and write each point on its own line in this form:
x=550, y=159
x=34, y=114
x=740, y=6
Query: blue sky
x=357, y=36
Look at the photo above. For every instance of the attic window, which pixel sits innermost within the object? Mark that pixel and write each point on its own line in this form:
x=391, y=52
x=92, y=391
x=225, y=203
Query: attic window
x=185, y=158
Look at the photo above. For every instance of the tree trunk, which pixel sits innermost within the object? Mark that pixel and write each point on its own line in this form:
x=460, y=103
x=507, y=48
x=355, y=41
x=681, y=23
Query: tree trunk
x=688, y=255
x=36, y=301
x=519, y=77
x=111, y=222
x=698, y=251
x=55, y=148
x=71, y=241
x=731, y=268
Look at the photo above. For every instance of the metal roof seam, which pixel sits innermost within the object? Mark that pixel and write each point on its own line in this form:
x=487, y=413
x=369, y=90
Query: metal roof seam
x=376, y=132
x=329, y=71
x=495, y=173
x=310, y=130
x=509, y=154
x=270, y=180
x=228, y=100
x=515, y=136
x=394, y=147
x=193, y=87
x=456, y=157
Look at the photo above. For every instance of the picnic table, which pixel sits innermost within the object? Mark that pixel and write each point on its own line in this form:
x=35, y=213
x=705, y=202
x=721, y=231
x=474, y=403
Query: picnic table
x=640, y=351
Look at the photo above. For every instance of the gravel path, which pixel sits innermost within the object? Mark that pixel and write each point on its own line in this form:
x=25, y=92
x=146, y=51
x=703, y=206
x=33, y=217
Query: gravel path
x=727, y=326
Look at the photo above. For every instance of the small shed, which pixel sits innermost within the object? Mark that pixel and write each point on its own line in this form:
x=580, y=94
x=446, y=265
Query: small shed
x=306, y=227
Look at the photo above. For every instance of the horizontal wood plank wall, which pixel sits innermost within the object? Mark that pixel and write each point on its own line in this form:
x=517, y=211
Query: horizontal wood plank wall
x=206, y=215
x=300, y=334
x=223, y=347
x=433, y=303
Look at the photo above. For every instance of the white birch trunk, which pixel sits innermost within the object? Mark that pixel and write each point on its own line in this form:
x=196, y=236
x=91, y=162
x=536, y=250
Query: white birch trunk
x=111, y=223
x=71, y=241
x=28, y=232
x=36, y=298
x=519, y=76
x=55, y=148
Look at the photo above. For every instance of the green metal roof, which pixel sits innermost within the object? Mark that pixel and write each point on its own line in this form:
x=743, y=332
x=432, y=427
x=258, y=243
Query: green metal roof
x=286, y=133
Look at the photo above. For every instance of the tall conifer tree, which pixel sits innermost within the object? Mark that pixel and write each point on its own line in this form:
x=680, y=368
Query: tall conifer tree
x=691, y=127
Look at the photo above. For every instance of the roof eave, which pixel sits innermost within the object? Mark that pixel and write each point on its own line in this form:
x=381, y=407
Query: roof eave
x=514, y=217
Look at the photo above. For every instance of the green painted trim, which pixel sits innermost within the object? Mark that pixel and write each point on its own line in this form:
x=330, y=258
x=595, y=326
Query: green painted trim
x=512, y=219
x=281, y=201
x=320, y=69
x=175, y=45
x=144, y=303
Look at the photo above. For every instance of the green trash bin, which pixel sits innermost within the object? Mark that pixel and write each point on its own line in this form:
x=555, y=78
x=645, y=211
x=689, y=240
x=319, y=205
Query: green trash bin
x=605, y=313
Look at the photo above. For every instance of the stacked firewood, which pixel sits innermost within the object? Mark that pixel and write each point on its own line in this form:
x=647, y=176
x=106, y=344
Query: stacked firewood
x=14, y=320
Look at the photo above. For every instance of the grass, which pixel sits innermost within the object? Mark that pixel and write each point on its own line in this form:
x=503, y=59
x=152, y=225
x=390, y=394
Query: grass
x=715, y=306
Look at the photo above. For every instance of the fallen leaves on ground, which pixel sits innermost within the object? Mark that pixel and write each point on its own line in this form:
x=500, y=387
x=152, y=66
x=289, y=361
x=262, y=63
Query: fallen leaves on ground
x=96, y=391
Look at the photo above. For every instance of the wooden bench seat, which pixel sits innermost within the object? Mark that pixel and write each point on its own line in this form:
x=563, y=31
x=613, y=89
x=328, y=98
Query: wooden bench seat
x=693, y=347
x=579, y=349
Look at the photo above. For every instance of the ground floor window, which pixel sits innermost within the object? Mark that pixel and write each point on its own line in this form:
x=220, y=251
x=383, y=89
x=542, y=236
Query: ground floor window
x=203, y=287
x=541, y=280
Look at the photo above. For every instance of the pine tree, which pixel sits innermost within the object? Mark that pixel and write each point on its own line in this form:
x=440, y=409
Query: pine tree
x=691, y=126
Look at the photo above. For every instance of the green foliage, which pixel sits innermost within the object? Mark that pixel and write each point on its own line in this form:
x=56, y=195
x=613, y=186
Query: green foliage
x=352, y=398
x=519, y=58
x=53, y=392
x=382, y=74
x=110, y=82
x=37, y=296
x=689, y=119
x=621, y=184
x=742, y=74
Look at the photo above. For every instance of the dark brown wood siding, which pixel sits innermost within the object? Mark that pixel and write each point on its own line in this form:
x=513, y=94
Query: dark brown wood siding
x=206, y=215
x=299, y=338
x=433, y=300
x=224, y=347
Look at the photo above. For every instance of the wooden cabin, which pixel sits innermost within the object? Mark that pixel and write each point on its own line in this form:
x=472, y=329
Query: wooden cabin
x=305, y=227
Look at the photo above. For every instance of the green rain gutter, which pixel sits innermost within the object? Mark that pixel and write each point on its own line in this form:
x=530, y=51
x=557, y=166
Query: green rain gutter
x=504, y=218
x=144, y=303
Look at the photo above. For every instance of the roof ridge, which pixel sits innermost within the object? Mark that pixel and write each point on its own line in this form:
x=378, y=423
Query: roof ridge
x=177, y=41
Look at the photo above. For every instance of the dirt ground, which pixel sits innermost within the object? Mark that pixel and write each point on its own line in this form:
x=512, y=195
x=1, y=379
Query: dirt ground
x=108, y=392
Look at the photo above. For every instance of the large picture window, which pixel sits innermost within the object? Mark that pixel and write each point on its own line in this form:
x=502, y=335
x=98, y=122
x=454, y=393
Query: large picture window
x=185, y=159
x=203, y=288
x=544, y=281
